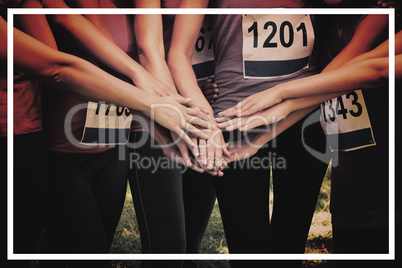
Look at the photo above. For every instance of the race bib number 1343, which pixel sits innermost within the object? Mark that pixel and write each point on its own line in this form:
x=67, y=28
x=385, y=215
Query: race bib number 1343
x=345, y=121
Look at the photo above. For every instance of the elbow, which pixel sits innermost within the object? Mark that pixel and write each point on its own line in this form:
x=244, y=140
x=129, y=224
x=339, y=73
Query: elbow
x=56, y=71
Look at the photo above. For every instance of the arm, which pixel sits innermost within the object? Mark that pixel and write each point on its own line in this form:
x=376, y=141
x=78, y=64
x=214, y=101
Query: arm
x=380, y=51
x=315, y=89
x=343, y=77
x=102, y=48
x=95, y=19
x=149, y=36
x=36, y=25
x=366, y=34
x=185, y=32
x=66, y=72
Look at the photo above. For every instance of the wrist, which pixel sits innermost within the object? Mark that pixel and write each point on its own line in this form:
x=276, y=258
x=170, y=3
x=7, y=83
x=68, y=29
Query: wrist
x=280, y=93
x=146, y=103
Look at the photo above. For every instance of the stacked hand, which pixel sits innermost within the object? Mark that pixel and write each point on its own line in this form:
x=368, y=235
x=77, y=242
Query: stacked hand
x=263, y=108
x=192, y=141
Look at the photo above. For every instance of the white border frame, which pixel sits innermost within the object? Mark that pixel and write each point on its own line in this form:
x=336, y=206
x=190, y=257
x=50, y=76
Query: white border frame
x=317, y=11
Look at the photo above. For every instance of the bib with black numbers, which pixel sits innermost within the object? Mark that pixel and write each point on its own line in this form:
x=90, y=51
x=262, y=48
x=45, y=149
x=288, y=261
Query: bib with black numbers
x=346, y=122
x=106, y=124
x=203, y=55
x=276, y=45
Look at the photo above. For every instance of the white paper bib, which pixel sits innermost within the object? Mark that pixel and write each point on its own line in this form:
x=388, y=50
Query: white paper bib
x=106, y=124
x=203, y=55
x=276, y=44
x=345, y=121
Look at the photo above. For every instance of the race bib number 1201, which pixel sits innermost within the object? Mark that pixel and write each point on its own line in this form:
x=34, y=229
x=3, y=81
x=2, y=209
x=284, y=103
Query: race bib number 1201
x=276, y=45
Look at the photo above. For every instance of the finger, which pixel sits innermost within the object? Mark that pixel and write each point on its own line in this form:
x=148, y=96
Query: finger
x=194, y=150
x=231, y=111
x=202, y=146
x=181, y=99
x=210, y=154
x=213, y=93
x=252, y=124
x=235, y=110
x=197, y=169
x=184, y=153
x=227, y=123
x=236, y=123
x=222, y=119
x=185, y=137
x=225, y=150
x=211, y=98
x=210, y=80
x=212, y=173
x=195, y=131
x=210, y=86
x=192, y=120
x=196, y=112
x=248, y=109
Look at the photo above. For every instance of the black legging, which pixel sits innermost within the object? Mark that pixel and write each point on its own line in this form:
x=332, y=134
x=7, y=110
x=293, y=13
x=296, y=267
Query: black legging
x=30, y=191
x=244, y=202
x=87, y=197
x=158, y=201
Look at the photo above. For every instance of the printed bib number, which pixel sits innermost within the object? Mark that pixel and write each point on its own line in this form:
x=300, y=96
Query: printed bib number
x=276, y=45
x=106, y=124
x=346, y=122
x=203, y=55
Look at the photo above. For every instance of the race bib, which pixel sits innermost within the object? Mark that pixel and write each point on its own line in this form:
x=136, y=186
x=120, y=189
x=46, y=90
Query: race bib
x=346, y=122
x=203, y=55
x=276, y=45
x=106, y=124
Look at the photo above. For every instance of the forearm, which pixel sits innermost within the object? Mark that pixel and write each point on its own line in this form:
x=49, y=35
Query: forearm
x=381, y=51
x=366, y=74
x=185, y=33
x=97, y=44
x=158, y=68
x=35, y=25
x=68, y=72
x=186, y=82
x=151, y=51
x=365, y=36
x=100, y=47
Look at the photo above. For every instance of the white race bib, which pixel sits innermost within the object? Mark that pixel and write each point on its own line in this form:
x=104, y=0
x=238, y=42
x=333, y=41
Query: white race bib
x=346, y=122
x=276, y=44
x=203, y=55
x=106, y=124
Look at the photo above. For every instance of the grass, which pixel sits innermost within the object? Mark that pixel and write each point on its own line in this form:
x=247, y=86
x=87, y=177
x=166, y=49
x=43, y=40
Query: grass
x=127, y=237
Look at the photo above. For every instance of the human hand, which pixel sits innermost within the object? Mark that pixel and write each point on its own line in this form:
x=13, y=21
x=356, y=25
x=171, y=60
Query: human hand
x=212, y=153
x=209, y=89
x=171, y=113
x=254, y=103
x=265, y=117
